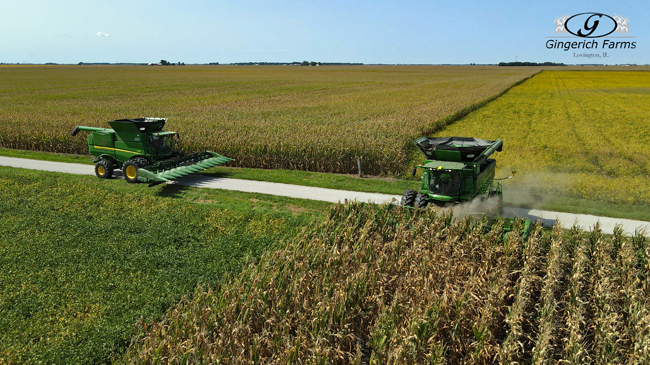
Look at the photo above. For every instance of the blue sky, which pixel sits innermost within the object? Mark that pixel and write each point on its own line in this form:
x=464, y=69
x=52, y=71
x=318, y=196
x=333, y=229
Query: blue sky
x=379, y=31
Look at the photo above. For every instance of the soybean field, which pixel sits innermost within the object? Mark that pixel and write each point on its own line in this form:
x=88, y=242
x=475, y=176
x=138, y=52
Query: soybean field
x=82, y=262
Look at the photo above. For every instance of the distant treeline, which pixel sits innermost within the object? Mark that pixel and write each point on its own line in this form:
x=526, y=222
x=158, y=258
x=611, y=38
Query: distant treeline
x=103, y=63
x=303, y=63
x=530, y=64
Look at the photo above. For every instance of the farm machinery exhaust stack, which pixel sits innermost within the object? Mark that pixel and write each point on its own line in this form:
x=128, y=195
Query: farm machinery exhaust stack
x=143, y=151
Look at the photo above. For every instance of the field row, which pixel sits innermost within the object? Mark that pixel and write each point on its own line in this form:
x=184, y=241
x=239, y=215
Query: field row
x=317, y=119
x=379, y=284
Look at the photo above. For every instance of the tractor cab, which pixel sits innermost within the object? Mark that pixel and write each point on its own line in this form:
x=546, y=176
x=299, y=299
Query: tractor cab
x=162, y=143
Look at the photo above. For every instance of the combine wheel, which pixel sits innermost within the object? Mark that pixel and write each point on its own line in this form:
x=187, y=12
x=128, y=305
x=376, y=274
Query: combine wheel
x=408, y=198
x=104, y=169
x=131, y=167
x=421, y=201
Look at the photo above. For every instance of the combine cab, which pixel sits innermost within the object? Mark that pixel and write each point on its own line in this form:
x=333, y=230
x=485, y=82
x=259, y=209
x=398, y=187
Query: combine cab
x=143, y=151
x=459, y=170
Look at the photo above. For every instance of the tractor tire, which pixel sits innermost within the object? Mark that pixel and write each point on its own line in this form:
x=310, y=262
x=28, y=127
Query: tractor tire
x=104, y=169
x=408, y=198
x=131, y=167
x=421, y=201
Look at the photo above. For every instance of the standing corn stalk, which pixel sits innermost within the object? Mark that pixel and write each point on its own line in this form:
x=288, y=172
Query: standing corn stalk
x=606, y=320
x=521, y=312
x=575, y=350
x=637, y=254
x=548, y=323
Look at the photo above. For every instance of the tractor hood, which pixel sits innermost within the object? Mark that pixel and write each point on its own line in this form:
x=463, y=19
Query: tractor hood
x=459, y=149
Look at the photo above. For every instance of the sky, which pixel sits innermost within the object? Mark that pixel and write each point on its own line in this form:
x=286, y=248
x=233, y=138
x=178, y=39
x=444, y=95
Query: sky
x=377, y=31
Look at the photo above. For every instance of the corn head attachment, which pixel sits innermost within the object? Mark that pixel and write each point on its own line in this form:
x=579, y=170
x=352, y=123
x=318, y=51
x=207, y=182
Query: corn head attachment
x=172, y=169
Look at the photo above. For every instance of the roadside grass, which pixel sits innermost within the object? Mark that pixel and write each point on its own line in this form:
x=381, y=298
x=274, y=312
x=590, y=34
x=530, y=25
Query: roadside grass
x=82, y=260
x=370, y=184
x=47, y=156
x=572, y=204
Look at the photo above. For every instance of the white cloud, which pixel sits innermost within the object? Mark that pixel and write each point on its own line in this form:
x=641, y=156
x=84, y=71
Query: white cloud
x=101, y=34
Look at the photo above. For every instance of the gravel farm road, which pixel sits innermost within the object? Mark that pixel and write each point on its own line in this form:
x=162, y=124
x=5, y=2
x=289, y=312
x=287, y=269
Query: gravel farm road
x=332, y=195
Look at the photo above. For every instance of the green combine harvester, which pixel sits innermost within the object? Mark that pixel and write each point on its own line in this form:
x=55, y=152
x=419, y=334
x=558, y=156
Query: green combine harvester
x=143, y=151
x=459, y=170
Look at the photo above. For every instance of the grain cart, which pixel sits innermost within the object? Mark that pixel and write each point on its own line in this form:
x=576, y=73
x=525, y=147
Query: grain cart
x=458, y=170
x=143, y=151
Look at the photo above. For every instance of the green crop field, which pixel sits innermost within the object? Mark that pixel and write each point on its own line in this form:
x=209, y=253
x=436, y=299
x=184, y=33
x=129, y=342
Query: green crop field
x=386, y=285
x=571, y=134
x=82, y=261
x=306, y=118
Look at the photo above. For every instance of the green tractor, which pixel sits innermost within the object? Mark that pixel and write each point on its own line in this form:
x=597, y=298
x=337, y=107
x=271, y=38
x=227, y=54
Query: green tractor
x=143, y=151
x=459, y=170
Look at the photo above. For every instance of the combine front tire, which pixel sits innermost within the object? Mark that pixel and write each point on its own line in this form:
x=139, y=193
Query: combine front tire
x=104, y=169
x=421, y=201
x=131, y=167
x=408, y=198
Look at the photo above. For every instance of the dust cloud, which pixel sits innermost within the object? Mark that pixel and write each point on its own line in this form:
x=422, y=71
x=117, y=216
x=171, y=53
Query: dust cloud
x=533, y=189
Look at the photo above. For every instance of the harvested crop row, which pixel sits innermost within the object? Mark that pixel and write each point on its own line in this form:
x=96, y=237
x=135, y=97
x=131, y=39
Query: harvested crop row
x=307, y=118
x=385, y=285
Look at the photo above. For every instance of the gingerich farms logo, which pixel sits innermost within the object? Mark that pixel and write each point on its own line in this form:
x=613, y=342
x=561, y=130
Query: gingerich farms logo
x=593, y=32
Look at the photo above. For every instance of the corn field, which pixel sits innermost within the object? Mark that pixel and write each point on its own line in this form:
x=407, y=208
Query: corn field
x=309, y=118
x=383, y=285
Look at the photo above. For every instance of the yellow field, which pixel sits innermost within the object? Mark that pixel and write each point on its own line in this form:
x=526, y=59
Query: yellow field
x=309, y=118
x=582, y=133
